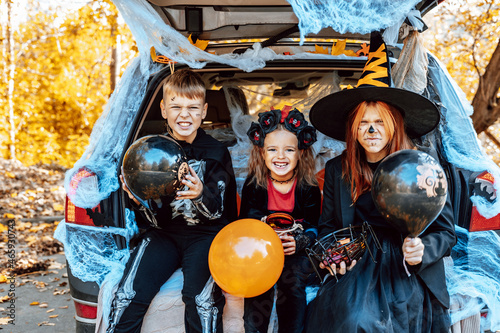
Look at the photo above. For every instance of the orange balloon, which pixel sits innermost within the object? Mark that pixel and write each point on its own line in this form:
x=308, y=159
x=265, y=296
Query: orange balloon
x=246, y=258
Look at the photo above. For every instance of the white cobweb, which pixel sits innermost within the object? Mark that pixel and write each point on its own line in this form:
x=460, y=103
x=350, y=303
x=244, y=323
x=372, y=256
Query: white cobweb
x=107, y=142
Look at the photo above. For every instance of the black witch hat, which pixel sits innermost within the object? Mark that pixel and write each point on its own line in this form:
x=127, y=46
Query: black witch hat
x=329, y=114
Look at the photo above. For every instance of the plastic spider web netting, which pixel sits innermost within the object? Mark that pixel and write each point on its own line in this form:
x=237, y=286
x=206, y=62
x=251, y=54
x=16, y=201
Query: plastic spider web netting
x=355, y=16
x=472, y=277
x=92, y=253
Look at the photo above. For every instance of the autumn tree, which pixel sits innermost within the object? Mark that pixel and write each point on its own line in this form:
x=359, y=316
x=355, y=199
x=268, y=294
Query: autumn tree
x=465, y=36
x=62, y=79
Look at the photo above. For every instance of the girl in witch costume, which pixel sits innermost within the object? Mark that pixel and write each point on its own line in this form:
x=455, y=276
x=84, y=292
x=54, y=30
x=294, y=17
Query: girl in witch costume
x=281, y=179
x=180, y=232
x=404, y=289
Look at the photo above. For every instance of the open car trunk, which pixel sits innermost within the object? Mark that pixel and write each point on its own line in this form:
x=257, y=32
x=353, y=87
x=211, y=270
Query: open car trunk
x=222, y=20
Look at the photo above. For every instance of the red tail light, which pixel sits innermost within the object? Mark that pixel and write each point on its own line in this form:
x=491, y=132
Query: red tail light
x=75, y=214
x=88, y=310
x=477, y=221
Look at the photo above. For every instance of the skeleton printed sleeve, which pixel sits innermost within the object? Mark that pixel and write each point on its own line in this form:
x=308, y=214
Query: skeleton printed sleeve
x=216, y=179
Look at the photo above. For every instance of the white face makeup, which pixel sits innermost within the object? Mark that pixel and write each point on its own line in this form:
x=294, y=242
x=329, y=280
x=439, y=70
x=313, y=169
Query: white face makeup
x=372, y=135
x=281, y=154
x=183, y=115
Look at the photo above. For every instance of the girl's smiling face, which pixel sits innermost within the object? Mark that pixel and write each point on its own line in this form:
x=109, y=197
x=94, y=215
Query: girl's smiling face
x=281, y=154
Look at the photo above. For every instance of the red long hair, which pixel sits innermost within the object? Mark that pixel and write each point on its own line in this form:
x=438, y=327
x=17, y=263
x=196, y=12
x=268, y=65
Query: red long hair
x=355, y=168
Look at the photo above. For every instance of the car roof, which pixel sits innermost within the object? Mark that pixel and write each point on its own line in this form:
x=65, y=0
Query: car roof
x=223, y=20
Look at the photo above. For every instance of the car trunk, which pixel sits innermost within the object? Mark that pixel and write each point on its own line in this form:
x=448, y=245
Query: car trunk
x=236, y=20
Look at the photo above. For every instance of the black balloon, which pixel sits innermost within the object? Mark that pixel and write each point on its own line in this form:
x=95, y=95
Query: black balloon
x=409, y=189
x=153, y=168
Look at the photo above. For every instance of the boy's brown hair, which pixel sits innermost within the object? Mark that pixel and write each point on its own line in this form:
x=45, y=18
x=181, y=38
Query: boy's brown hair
x=185, y=83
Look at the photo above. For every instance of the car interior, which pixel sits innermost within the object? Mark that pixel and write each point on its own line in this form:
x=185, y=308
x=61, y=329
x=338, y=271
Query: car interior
x=252, y=92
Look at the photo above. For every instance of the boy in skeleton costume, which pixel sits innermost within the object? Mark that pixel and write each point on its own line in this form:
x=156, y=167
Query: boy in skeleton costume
x=181, y=232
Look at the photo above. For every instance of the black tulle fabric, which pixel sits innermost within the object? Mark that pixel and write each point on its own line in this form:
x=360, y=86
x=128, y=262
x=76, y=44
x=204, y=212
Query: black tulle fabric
x=377, y=297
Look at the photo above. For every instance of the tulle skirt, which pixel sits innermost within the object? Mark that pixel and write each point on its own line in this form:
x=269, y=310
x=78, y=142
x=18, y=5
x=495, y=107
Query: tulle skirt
x=377, y=297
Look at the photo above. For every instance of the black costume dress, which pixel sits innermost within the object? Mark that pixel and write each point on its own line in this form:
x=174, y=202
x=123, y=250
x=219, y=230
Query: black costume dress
x=381, y=297
x=291, y=303
x=183, y=237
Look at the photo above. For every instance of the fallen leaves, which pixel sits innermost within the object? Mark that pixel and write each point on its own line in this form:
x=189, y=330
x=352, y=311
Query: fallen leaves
x=9, y=175
x=28, y=192
x=46, y=323
x=60, y=292
x=29, y=265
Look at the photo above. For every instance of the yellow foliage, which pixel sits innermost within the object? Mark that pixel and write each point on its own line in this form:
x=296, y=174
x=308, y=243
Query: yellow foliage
x=30, y=239
x=62, y=80
x=39, y=227
x=58, y=207
x=10, y=175
x=338, y=48
x=320, y=49
x=8, y=216
x=463, y=36
x=201, y=44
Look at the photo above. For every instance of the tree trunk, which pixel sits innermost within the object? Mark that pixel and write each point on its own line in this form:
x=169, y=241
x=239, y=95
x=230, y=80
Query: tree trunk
x=485, y=102
x=3, y=92
x=114, y=68
x=11, y=72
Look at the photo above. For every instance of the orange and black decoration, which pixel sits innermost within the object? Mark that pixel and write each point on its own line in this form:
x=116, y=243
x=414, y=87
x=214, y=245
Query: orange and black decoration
x=377, y=71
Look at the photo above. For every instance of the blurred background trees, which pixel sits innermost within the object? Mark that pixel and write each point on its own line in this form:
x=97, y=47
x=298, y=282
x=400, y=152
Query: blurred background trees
x=465, y=36
x=60, y=64
x=64, y=68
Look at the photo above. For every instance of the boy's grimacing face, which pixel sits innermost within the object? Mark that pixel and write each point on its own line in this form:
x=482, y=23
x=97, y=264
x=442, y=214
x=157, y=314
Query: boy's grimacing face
x=184, y=115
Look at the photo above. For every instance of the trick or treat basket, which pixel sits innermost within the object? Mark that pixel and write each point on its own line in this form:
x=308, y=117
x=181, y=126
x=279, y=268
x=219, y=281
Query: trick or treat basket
x=283, y=223
x=344, y=245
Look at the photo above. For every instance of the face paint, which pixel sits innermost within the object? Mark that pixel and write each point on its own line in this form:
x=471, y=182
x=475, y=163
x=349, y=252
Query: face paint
x=184, y=116
x=372, y=135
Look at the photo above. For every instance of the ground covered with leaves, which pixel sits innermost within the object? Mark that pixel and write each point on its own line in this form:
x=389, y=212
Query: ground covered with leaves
x=30, y=192
x=31, y=203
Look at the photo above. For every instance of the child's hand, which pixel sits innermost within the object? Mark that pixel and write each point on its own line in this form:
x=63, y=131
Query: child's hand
x=413, y=250
x=126, y=189
x=342, y=269
x=195, y=186
x=288, y=243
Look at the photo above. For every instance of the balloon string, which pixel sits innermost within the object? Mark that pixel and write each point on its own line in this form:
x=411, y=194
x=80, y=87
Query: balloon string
x=406, y=268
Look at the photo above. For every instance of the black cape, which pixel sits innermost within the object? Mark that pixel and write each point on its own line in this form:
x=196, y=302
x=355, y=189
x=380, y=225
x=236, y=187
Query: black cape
x=380, y=297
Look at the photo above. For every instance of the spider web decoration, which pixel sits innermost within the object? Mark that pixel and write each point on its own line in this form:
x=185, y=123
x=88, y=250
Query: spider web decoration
x=355, y=16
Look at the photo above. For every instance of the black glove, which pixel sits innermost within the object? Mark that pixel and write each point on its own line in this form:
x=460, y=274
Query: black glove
x=303, y=240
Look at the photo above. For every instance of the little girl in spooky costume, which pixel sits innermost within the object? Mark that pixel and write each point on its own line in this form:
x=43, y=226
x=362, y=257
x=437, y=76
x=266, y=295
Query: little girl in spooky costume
x=281, y=180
